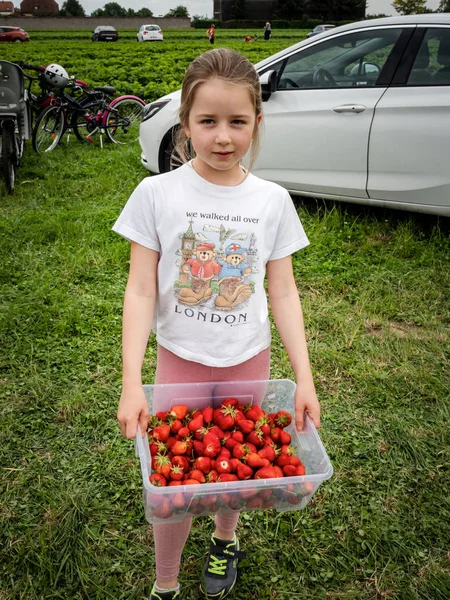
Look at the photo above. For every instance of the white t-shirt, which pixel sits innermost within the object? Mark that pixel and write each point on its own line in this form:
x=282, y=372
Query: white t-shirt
x=214, y=242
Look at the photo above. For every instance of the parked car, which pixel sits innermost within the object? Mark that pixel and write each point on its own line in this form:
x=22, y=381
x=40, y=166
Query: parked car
x=320, y=29
x=150, y=33
x=361, y=114
x=13, y=34
x=105, y=33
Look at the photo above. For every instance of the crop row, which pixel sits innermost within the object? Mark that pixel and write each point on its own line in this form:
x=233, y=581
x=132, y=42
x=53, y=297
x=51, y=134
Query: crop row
x=149, y=70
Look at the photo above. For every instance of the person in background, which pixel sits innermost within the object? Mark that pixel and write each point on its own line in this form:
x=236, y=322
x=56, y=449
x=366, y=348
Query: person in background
x=267, y=31
x=210, y=33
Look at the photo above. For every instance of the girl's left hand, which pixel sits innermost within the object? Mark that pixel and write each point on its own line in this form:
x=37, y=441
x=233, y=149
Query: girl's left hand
x=305, y=399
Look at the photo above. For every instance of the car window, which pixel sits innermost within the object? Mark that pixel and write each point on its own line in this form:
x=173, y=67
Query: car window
x=351, y=60
x=432, y=63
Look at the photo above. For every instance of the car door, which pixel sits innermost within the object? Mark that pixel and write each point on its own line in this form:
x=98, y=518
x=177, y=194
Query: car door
x=3, y=34
x=317, y=123
x=409, y=142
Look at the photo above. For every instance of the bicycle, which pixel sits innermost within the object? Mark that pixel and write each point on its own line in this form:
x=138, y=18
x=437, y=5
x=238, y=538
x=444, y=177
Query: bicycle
x=119, y=119
x=15, y=127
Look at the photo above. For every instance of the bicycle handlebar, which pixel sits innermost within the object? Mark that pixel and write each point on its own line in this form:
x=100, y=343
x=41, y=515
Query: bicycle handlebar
x=29, y=67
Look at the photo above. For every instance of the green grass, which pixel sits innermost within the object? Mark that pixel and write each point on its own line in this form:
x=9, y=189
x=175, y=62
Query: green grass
x=375, y=288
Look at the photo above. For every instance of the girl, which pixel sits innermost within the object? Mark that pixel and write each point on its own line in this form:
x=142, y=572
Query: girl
x=202, y=238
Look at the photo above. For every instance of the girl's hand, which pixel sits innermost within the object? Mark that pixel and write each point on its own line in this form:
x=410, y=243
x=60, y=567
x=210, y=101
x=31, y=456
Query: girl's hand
x=133, y=410
x=305, y=399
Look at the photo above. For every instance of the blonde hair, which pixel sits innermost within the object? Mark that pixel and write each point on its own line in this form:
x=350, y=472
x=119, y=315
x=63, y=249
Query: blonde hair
x=230, y=66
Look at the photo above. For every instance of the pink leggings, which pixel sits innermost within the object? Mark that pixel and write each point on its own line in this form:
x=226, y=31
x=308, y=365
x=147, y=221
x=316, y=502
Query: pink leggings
x=170, y=368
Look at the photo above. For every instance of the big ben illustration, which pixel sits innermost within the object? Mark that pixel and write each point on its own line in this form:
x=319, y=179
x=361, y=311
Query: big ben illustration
x=187, y=251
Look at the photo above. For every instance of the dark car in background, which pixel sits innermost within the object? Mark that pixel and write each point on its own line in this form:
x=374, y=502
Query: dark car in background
x=105, y=33
x=13, y=34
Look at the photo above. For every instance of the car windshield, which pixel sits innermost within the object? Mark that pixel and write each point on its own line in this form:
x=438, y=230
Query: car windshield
x=152, y=28
x=106, y=28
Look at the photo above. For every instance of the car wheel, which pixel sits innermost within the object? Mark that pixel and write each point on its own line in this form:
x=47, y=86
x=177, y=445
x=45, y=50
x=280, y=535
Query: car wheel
x=172, y=159
x=18, y=41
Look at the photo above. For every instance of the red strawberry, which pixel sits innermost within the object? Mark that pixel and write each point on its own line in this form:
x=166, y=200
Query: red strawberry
x=255, y=502
x=170, y=441
x=209, y=501
x=211, y=445
x=231, y=443
x=178, y=500
x=160, y=416
x=239, y=415
x=254, y=413
x=224, y=453
x=212, y=476
x=196, y=423
x=179, y=447
x=198, y=475
x=244, y=471
x=203, y=463
x=179, y=411
x=208, y=414
x=184, y=432
x=300, y=470
x=227, y=477
x=278, y=471
x=285, y=438
x=157, y=447
x=294, y=460
x=230, y=402
x=164, y=510
x=219, y=432
x=224, y=417
x=289, y=471
x=240, y=450
x=176, y=426
x=251, y=447
x=263, y=425
x=238, y=436
x=161, y=432
x=181, y=461
x=163, y=465
x=256, y=438
x=254, y=461
x=267, y=452
x=223, y=466
x=198, y=447
x=176, y=473
x=200, y=433
x=158, y=480
x=234, y=462
x=191, y=482
x=283, y=460
x=174, y=482
x=265, y=473
x=245, y=425
x=283, y=418
x=287, y=450
x=275, y=434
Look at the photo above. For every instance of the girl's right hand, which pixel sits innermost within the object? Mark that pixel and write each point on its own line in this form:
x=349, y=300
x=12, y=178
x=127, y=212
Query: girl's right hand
x=133, y=411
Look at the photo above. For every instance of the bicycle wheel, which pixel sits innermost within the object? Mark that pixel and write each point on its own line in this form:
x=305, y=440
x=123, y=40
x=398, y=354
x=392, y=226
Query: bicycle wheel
x=83, y=123
x=123, y=119
x=8, y=156
x=49, y=128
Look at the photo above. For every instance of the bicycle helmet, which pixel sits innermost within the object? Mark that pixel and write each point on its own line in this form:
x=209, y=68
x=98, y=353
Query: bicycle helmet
x=56, y=76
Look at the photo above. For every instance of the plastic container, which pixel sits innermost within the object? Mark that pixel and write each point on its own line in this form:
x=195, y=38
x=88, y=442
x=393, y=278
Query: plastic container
x=172, y=504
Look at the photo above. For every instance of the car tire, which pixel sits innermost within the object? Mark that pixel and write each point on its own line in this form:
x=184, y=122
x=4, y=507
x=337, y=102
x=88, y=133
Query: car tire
x=171, y=159
x=17, y=40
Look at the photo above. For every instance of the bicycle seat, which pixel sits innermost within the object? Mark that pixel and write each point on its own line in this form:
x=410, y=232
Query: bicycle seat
x=12, y=89
x=106, y=89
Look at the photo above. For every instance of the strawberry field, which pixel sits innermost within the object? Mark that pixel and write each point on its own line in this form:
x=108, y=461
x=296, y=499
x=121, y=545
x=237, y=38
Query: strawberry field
x=375, y=289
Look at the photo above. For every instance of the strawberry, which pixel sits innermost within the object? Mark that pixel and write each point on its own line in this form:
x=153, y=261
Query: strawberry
x=234, y=462
x=267, y=452
x=294, y=460
x=170, y=442
x=158, y=480
x=179, y=447
x=212, y=476
x=200, y=433
x=224, y=417
x=157, y=447
x=211, y=445
x=269, y=503
x=161, y=416
x=256, y=438
x=278, y=471
x=176, y=426
x=208, y=414
x=198, y=475
x=164, y=510
x=223, y=466
x=283, y=418
x=285, y=438
x=163, y=465
x=215, y=429
x=287, y=450
x=198, y=447
x=161, y=432
x=203, y=463
x=289, y=471
x=254, y=413
x=238, y=436
x=275, y=434
x=176, y=473
x=240, y=450
x=251, y=447
x=178, y=500
x=174, y=482
x=181, y=461
x=245, y=425
x=209, y=501
x=265, y=473
x=230, y=402
x=244, y=471
x=196, y=423
x=254, y=461
x=240, y=416
x=223, y=477
x=255, y=502
x=283, y=460
x=184, y=432
x=263, y=426
x=191, y=482
x=179, y=411
x=224, y=453
x=231, y=443
x=300, y=470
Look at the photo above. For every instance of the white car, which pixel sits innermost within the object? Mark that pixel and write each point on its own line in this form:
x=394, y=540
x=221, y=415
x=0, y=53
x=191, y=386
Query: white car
x=150, y=33
x=360, y=113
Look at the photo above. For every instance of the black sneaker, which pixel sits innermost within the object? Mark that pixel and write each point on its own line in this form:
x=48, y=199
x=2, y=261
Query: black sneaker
x=220, y=570
x=173, y=595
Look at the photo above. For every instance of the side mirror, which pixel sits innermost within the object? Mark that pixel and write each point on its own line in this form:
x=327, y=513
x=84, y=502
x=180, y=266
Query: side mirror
x=268, y=81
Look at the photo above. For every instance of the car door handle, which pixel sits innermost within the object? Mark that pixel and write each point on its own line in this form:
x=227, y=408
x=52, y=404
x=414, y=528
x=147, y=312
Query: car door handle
x=350, y=108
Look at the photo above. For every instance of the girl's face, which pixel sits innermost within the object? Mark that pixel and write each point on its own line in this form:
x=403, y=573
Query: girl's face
x=221, y=125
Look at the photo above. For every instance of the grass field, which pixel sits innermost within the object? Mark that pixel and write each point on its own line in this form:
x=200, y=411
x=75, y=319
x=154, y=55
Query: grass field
x=375, y=287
